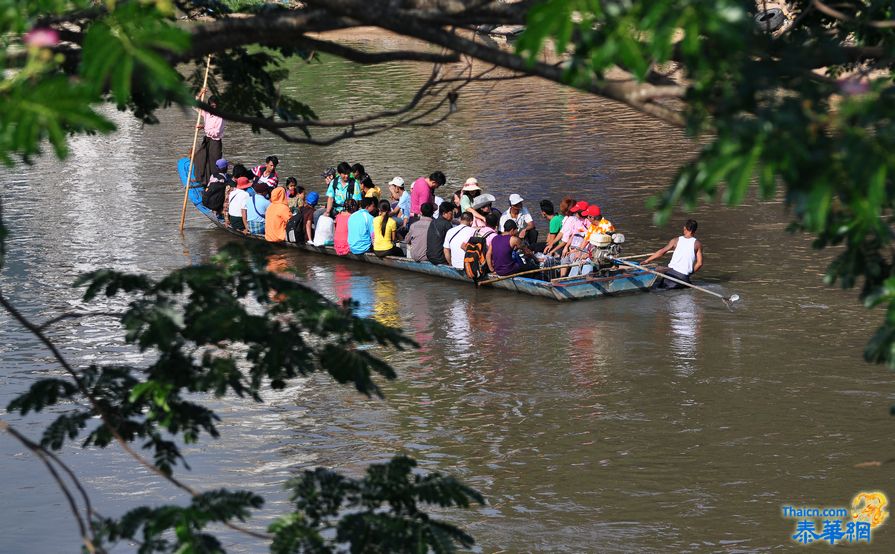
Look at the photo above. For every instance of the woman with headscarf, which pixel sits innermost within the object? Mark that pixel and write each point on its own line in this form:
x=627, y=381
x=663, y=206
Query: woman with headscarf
x=277, y=216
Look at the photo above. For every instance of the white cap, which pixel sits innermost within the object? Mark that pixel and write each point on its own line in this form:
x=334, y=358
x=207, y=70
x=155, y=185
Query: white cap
x=397, y=181
x=515, y=199
x=471, y=181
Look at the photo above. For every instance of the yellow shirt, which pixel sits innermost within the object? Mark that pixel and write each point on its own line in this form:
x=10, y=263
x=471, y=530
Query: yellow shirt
x=374, y=192
x=604, y=226
x=380, y=241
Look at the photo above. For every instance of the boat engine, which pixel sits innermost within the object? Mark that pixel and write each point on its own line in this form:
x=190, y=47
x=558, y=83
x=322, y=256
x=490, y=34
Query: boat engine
x=605, y=248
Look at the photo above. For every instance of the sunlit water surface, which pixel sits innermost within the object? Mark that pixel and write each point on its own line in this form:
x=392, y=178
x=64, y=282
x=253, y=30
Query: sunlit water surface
x=657, y=422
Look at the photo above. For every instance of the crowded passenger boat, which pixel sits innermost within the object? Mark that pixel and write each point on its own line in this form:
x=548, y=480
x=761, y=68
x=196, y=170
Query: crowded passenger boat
x=463, y=236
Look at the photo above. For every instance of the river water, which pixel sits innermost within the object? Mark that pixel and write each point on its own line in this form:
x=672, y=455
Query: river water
x=655, y=422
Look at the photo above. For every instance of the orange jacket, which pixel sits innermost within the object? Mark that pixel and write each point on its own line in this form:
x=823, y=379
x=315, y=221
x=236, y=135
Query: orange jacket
x=277, y=216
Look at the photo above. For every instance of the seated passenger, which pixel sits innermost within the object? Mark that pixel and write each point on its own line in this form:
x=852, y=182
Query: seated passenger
x=597, y=223
x=215, y=191
x=437, y=231
x=256, y=208
x=489, y=231
x=295, y=195
x=360, y=227
x=277, y=216
x=401, y=208
x=500, y=256
x=554, y=220
x=236, y=205
x=470, y=191
x=267, y=173
x=570, y=225
x=384, y=228
x=307, y=216
x=524, y=222
x=419, y=232
x=369, y=190
x=340, y=234
x=324, y=226
x=565, y=205
x=455, y=241
x=573, y=236
x=483, y=206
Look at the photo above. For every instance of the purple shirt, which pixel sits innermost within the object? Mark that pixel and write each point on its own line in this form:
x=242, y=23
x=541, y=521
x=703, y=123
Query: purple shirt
x=502, y=256
x=420, y=194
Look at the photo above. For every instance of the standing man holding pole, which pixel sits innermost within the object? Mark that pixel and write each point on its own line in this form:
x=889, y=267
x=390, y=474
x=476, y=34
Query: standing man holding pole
x=212, y=149
x=686, y=260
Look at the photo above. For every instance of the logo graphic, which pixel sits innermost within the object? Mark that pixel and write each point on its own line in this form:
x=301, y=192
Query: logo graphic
x=840, y=525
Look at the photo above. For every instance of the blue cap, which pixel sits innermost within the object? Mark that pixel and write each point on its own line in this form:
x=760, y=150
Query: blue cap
x=312, y=198
x=222, y=163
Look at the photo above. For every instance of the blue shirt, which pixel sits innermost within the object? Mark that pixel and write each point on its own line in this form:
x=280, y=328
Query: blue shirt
x=404, y=204
x=338, y=191
x=360, y=232
x=256, y=206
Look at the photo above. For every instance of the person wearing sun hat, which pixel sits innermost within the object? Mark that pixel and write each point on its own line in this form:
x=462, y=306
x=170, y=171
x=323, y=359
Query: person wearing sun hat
x=524, y=222
x=467, y=196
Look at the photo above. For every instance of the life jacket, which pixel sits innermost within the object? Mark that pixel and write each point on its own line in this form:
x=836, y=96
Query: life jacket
x=475, y=263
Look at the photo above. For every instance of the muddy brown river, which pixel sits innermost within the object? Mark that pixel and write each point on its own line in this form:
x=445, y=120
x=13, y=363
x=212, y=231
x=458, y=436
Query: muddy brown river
x=654, y=422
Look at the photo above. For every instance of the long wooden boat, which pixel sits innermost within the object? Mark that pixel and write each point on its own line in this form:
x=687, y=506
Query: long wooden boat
x=594, y=285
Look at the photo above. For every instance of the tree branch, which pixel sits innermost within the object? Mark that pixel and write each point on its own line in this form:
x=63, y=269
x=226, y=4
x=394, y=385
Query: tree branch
x=75, y=315
x=41, y=453
x=369, y=58
x=836, y=14
x=635, y=95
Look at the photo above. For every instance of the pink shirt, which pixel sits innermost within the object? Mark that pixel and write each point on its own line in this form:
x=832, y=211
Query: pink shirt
x=571, y=226
x=340, y=237
x=214, y=126
x=482, y=231
x=420, y=194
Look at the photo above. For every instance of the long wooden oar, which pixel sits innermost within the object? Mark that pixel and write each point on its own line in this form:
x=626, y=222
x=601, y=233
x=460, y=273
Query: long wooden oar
x=189, y=175
x=728, y=300
x=551, y=268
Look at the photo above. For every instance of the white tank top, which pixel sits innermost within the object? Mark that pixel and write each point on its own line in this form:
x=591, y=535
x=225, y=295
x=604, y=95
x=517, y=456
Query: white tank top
x=684, y=255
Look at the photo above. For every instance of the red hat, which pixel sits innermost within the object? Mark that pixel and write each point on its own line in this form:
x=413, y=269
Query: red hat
x=579, y=206
x=243, y=183
x=593, y=211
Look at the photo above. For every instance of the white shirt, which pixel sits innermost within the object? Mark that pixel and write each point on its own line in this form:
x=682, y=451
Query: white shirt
x=684, y=255
x=323, y=234
x=455, y=239
x=522, y=220
x=238, y=199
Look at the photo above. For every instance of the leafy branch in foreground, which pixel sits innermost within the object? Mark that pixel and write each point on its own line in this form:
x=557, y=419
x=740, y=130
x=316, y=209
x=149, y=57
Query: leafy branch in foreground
x=233, y=328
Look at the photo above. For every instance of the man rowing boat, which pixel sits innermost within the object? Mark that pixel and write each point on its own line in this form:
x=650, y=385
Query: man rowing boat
x=686, y=260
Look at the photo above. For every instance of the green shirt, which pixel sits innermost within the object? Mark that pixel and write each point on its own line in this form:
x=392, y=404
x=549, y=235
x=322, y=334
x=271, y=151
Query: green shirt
x=556, y=223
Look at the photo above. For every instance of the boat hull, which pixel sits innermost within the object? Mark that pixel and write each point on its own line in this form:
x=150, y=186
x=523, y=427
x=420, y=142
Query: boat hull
x=624, y=281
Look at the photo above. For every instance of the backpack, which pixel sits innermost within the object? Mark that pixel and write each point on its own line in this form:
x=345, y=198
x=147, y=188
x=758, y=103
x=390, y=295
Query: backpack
x=213, y=196
x=295, y=229
x=474, y=261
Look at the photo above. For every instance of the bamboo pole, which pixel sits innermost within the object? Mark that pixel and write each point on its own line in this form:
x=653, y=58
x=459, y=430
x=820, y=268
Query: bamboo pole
x=550, y=268
x=189, y=174
x=727, y=299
